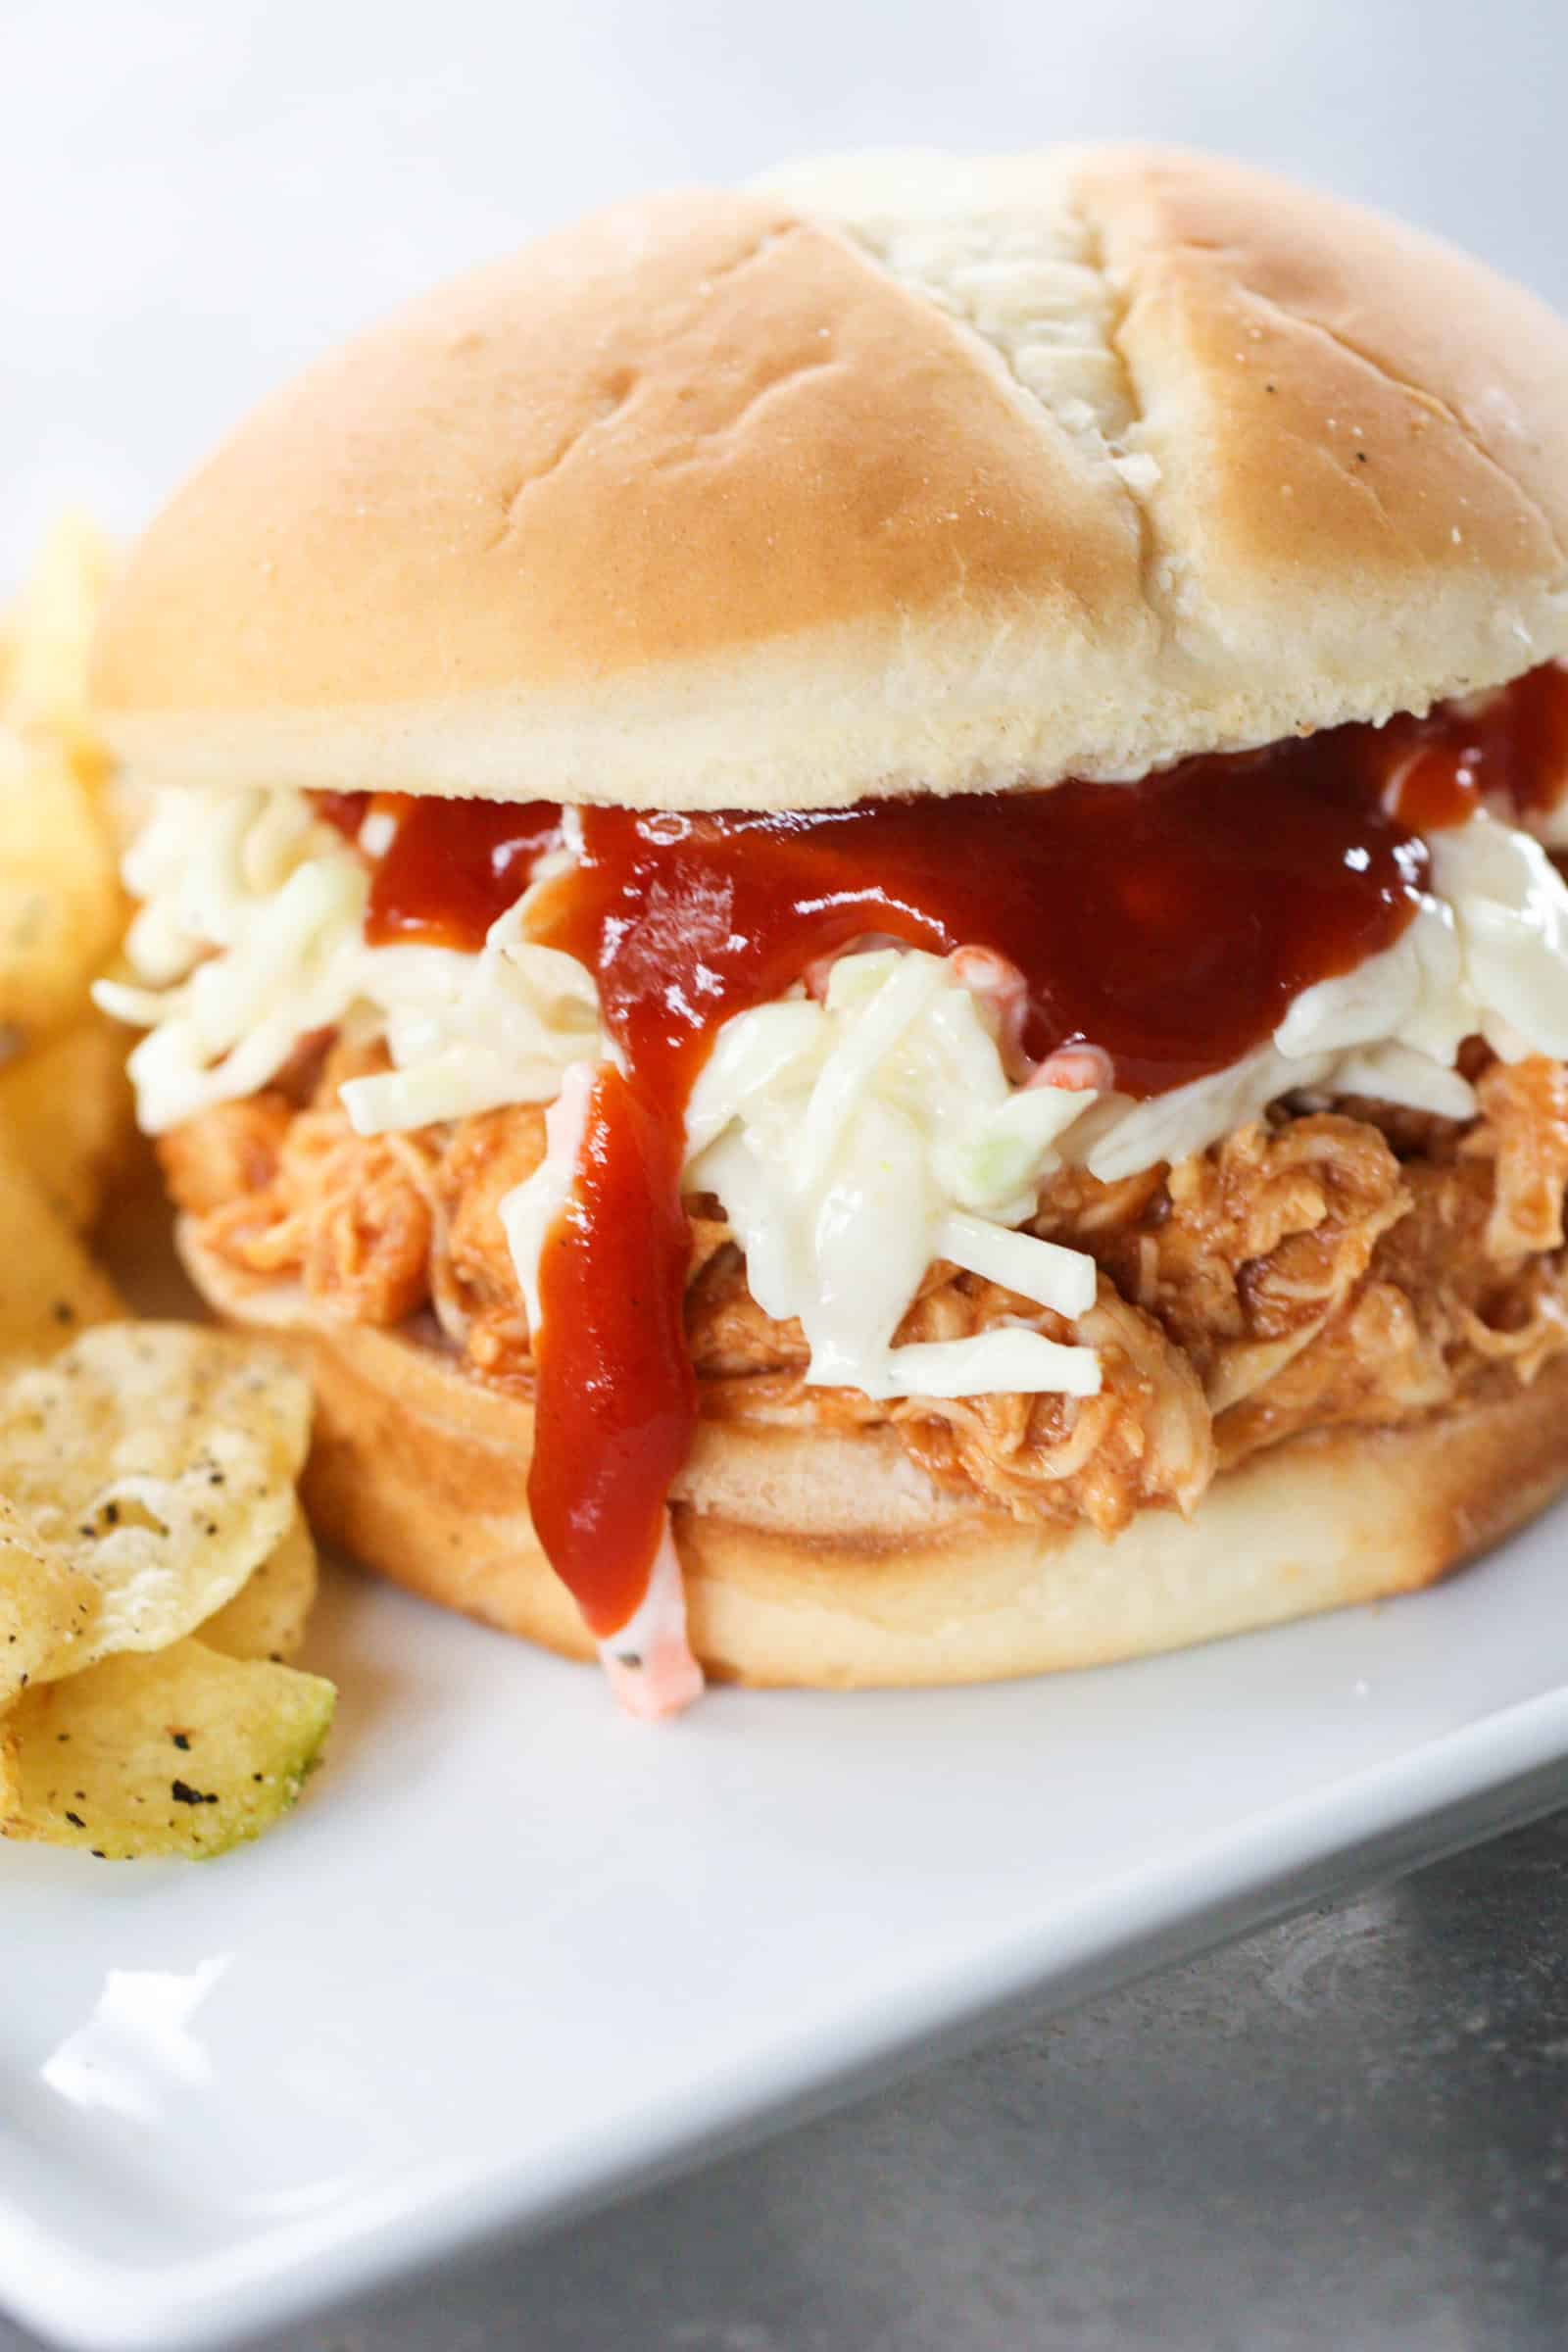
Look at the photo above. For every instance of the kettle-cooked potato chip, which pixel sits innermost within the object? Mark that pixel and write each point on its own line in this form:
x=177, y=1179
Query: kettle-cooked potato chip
x=61, y=906
x=66, y=1110
x=268, y=1616
x=47, y=1604
x=43, y=679
x=157, y=1461
x=147, y=1472
x=61, y=910
x=183, y=1752
x=49, y=1289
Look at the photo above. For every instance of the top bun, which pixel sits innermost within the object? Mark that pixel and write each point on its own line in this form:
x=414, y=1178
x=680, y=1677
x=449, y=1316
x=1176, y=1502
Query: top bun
x=897, y=473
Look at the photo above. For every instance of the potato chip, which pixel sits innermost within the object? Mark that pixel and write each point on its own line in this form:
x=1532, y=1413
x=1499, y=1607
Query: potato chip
x=146, y=1471
x=49, y=1289
x=49, y=631
x=47, y=1604
x=158, y=1461
x=66, y=1108
x=183, y=1752
x=268, y=1616
x=61, y=909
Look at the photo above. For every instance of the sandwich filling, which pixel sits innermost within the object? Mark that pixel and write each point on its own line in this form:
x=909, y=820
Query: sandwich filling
x=1072, y=1132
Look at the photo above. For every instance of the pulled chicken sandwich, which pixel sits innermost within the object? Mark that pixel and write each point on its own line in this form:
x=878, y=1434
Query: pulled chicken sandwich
x=846, y=899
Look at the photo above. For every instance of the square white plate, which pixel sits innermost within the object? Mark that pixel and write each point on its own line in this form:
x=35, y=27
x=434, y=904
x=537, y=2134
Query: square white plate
x=514, y=1954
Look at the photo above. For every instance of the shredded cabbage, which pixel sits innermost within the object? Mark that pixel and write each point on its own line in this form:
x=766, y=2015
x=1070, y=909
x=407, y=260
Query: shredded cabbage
x=852, y=1141
x=257, y=876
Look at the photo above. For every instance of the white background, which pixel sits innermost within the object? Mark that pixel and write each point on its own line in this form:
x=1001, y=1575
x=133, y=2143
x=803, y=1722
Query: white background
x=195, y=197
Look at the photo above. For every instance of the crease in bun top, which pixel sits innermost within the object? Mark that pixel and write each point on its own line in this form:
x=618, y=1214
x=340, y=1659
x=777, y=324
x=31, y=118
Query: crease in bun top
x=869, y=864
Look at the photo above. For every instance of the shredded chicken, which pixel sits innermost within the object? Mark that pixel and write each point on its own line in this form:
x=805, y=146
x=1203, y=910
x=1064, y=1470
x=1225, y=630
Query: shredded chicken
x=1467, y=1277
x=1524, y=1133
x=482, y=1158
x=1145, y=1438
x=1245, y=1251
x=1350, y=1265
x=227, y=1155
x=343, y=1212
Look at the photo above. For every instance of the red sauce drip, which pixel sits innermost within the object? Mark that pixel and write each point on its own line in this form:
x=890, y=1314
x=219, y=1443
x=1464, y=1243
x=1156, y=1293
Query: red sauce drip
x=617, y=1402
x=1169, y=923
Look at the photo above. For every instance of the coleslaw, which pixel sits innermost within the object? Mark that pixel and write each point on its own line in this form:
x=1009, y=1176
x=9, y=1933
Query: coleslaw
x=853, y=1135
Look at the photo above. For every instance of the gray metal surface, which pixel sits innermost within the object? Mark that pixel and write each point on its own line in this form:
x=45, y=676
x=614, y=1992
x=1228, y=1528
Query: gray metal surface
x=1350, y=2129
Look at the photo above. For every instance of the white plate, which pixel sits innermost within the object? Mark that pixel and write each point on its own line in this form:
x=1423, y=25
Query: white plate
x=514, y=1954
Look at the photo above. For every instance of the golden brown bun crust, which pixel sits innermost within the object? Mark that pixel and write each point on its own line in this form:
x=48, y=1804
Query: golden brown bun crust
x=817, y=1558
x=903, y=473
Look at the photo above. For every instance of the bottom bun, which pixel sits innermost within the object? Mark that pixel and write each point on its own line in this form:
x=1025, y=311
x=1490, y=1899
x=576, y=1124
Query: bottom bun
x=816, y=1557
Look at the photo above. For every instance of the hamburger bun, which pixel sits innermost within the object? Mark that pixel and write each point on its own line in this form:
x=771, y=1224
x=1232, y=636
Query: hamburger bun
x=812, y=1557
x=894, y=475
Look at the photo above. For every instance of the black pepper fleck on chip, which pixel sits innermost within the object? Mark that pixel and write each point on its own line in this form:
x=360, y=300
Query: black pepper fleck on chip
x=181, y=1739
x=76, y=1821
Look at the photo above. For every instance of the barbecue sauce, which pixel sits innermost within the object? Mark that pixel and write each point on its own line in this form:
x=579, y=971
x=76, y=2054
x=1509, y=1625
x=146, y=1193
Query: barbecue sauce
x=453, y=866
x=1511, y=746
x=1171, y=923
x=615, y=1403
